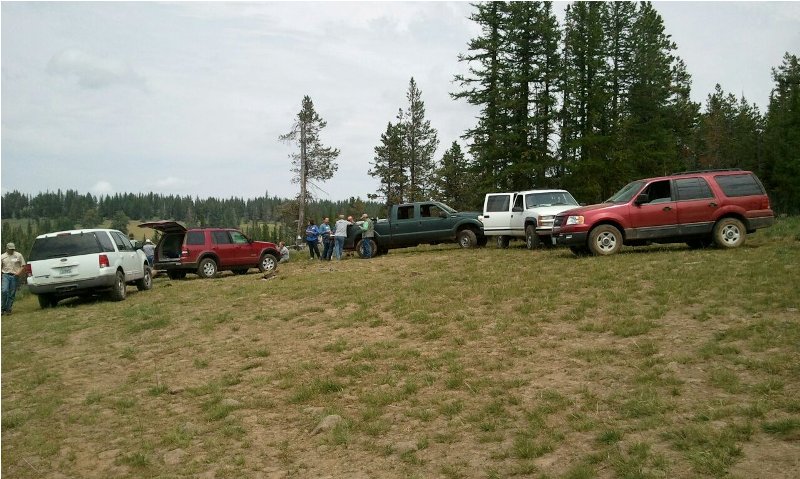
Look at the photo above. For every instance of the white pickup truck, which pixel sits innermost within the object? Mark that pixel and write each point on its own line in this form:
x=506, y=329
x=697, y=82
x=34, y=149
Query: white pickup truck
x=524, y=214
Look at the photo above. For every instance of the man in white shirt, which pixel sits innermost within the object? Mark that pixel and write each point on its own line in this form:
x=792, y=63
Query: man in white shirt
x=13, y=265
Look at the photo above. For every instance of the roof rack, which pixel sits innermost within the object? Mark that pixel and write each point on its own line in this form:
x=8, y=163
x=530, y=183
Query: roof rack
x=705, y=171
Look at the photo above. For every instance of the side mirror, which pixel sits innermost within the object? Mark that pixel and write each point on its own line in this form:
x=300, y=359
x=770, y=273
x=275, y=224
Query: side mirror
x=641, y=199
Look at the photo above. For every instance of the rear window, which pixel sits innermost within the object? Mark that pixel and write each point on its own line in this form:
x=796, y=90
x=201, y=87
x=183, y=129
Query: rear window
x=739, y=185
x=70, y=245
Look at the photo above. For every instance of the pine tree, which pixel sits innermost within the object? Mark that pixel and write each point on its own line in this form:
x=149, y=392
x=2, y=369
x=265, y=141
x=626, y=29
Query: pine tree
x=420, y=144
x=452, y=179
x=389, y=164
x=314, y=162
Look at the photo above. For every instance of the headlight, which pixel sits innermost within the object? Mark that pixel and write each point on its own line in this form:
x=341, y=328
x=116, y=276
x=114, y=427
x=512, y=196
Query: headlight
x=575, y=220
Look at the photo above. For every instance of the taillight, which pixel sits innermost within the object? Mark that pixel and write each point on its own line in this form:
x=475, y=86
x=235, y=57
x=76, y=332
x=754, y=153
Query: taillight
x=28, y=270
x=185, y=253
x=104, y=261
x=765, y=202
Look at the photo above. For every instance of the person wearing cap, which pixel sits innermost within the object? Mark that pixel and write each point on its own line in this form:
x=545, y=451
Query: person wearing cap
x=150, y=251
x=367, y=232
x=13, y=265
x=340, y=235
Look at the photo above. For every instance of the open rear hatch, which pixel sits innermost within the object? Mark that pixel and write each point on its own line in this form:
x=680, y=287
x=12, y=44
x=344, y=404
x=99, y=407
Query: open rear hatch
x=165, y=226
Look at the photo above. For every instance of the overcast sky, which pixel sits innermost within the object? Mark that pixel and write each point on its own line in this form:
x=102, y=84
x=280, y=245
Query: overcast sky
x=190, y=98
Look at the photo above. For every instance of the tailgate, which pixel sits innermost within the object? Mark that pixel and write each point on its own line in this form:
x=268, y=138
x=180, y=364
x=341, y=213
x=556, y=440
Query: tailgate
x=61, y=270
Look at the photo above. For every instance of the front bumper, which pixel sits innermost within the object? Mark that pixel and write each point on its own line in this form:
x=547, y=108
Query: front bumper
x=569, y=238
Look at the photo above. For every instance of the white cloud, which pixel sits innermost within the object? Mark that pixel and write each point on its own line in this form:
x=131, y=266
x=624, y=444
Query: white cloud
x=93, y=71
x=102, y=187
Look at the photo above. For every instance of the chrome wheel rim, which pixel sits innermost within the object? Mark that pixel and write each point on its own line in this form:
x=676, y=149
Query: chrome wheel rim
x=209, y=269
x=268, y=264
x=731, y=234
x=606, y=241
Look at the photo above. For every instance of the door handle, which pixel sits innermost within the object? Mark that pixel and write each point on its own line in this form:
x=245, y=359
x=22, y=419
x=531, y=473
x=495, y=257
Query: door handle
x=666, y=208
x=712, y=204
x=485, y=216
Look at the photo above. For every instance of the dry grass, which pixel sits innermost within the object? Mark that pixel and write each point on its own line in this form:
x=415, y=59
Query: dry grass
x=660, y=362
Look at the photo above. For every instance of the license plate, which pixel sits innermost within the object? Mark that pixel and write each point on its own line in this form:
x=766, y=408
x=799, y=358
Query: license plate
x=65, y=271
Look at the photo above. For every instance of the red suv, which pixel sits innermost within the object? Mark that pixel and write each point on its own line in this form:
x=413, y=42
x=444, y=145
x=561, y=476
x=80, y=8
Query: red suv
x=205, y=251
x=697, y=207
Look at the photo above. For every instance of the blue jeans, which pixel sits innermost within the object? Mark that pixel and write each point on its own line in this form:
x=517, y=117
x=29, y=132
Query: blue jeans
x=9, y=291
x=327, y=248
x=339, y=246
x=366, y=248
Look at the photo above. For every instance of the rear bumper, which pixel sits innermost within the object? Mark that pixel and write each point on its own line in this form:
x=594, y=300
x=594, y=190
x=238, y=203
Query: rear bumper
x=72, y=288
x=762, y=222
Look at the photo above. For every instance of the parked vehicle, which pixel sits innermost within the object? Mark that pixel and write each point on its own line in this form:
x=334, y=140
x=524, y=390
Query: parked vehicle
x=697, y=207
x=85, y=262
x=527, y=215
x=206, y=251
x=425, y=222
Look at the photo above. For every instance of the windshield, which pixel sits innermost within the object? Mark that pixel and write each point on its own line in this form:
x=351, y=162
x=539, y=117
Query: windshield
x=554, y=198
x=626, y=194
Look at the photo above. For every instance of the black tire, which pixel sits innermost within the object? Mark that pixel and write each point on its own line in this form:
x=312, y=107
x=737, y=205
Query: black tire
x=467, y=239
x=373, y=247
x=47, y=301
x=482, y=240
x=239, y=271
x=729, y=233
x=605, y=240
x=207, y=268
x=120, y=289
x=531, y=238
x=268, y=263
x=147, y=280
x=502, y=242
x=176, y=274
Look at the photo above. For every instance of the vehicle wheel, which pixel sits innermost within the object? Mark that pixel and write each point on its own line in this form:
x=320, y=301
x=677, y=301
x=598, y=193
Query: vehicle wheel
x=729, y=233
x=120, y=289
x=531, y=238
x=268, y=263
x=147, y=281
x=502, y=242
x=47, y=301
x=372, y=245
x=207, y=268
x=579, y=250
x=605, y=240
x=176, y=274
x=467, y=239
x=239, y=271
x=482, y=240
x=699, y=243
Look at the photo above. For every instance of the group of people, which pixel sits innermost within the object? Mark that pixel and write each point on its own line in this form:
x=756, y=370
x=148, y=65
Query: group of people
x=333, y=238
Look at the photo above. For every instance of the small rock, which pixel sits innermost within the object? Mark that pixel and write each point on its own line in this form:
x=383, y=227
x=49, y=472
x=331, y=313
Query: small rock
x=327, y=424
x=173, y=458
x=176, y=390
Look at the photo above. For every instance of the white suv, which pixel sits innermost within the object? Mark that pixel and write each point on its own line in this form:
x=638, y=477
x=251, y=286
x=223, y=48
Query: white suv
x=84, y=262
x=524, y=214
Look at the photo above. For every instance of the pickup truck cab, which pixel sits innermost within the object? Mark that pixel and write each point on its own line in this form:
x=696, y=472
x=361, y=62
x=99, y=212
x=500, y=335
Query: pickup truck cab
x=526, y=215
x=425, y=222
x=700, y=208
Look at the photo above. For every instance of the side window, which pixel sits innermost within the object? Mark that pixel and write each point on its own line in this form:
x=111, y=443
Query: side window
x=195, y=238
x=105, y=242
x=123, y=244
x=239, y=238
x=739, y=185
x=518, y=202
x=692, y=189
x=405, y=212
x=220, y=237
x=497, y=203
x=658, y=192
x=425, y=211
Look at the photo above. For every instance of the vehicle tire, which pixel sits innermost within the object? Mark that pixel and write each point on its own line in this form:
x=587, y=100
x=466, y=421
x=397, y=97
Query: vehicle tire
x=467, y=239
x=147, y=281
x=373, y=247
x=207, y=268
x=267, y=263
x=47, y=301
x=502, y=242
x=120, y=289
x=176, y=274
x=531, y=238
x=700, y=243
x=605, y=240
x=729, y=233
x=239, y=271
x=482, y=240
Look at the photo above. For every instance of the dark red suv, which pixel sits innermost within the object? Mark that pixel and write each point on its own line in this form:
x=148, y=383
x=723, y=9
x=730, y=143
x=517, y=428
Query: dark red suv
x=205, y=251
x=697, y=207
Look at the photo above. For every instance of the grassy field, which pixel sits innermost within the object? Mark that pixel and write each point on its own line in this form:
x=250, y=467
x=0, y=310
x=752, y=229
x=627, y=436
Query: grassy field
x=661, y=362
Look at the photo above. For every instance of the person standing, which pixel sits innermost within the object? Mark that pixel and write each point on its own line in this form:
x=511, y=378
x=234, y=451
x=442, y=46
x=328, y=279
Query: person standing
x=149, y=251
x=312, y=238
x=13, y=266
x=367, y=233
x=284, y=251
x=340, y=235
x=325, y=232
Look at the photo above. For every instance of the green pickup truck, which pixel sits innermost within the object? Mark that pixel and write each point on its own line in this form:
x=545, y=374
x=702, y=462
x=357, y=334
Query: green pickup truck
x=425, y=222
